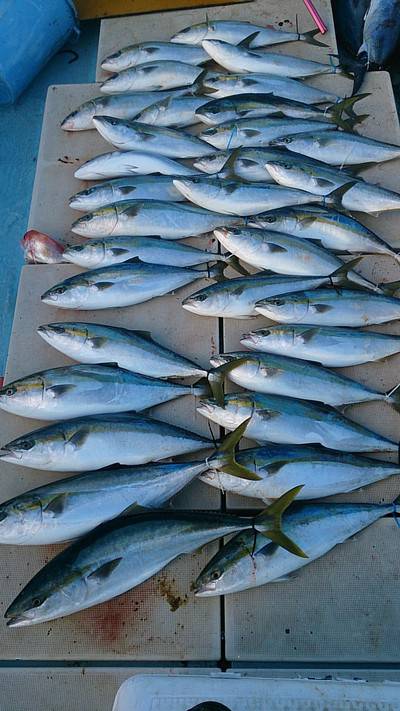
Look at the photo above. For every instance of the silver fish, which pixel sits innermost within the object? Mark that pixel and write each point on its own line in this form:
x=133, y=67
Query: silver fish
x=120, y=554
x=278, y=252
x=361, y=196
x=334, y=230
x=381, y=32
x=79, y=390
x=126, y=106
x=279, y=467
x=144, y=52
x=279, y=375
x=87, y=443
x=152, y=76
x=240, y=60
x=230, y=108
x=68, y=508
x=122, y=164
x=221, y=85
x=144, y=187
x=330, y=346
x=327, y=307
x=339, y=307
x=122, y=285
x=286, y=420
x=133, y=135
x=243, y=563
x=339, y=148
x=236, y=298
x=235, y=31
x=149, y=217
x=248, y=164
x=213, y=163
x=153, y=250
x=253, y=132
x=175, y=112
x=231, y=197
x=133, y=350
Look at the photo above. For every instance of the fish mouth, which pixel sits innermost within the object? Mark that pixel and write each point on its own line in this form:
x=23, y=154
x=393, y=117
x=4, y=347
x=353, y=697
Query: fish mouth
x=68, y=123
x=248, y=338
x=219, y=359
x=48, y=297
x=18, y=620
x=8, y=455
x=205, y=590
x=205, y=408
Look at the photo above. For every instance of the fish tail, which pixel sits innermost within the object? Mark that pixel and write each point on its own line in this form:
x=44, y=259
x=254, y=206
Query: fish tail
x=216, y=271
x=309, y=37
x=216, y=377
x=227, y=462
x=234, y=262
x=391, y=287
x=346, y=106
x=269, y=522
x=202, y=388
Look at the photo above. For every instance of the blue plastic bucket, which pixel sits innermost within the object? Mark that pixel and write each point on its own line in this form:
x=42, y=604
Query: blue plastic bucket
x=31, y=31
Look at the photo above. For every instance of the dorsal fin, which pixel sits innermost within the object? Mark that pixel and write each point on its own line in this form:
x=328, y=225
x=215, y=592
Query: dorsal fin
x=246, y=42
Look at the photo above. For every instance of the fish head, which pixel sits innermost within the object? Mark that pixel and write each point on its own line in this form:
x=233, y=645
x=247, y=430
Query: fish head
x=40, y=248
x=88, y=255
x=211, y=301
x=285, y=308
x=81, y=118
x=253, y=339
x=218, y=136
x=34, y=449
x=221, y=573
x=281, y=171
x=113, y=63
x=20, y=518
x=55, y=590
x=222, y=359
x=92, y=198
x=212, y=163
x=116, y=131
x=69, y=293
x=268, y=221
x=228, y=236
x=27, y=391
x=117, y=83
x=66, y=337
x=191, y=35
x=237, y=407
x=99, y=223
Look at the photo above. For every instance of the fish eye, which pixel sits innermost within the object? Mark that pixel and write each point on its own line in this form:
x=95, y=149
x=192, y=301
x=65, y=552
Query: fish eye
x=37, y=601
x=286, y=140
x=10, y=391
x=85, y=218
x=113, y=122
x=265, y=332
x=270, y=219
x=277, y=302
x=60, y=290
x=201, y=297
x=78, y=248
x=58, y=329
x=26, y=444
x=215, y=575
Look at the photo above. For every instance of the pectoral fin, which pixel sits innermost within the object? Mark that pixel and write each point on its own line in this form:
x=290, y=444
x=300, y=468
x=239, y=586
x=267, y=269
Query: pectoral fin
x=105, y=570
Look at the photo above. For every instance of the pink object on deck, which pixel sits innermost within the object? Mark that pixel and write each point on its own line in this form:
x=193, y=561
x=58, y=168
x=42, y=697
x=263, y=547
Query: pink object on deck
x=316, y=16
x=39, y=248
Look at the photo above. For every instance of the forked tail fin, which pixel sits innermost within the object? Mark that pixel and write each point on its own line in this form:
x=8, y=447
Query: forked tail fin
x=269, y=522
x=216, y=377
x=224, y=458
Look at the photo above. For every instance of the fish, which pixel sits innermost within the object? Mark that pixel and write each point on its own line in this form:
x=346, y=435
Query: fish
x=126, y=106
x=242, y=563
x=88, y=443
x=323, y=472
x=79, y=390
x=68, y=508
x=334, y=230
x=153, y=250
x=214, y=163
x=381, y=35
x=339, y=147
x=336, y=307
x=231, y=108
x=242, y=60
x=175, y=112
x=123, y=285
x=40, y=248
x=246, y=164
x=122, y=164
x=232, y=197
x=252, y=132
x=287, y=420
x=237, y=298
x=278, y=252
x=124, y=552
x=235, y=31
x=143, y=52
x=222, y=85
x=327, y=345
x=147, y=218
x=280, y=375
x=153, y=76
x=360, y=196
x=143, y=187
x=133, y=135
x=136, y=351
x=349, y=22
